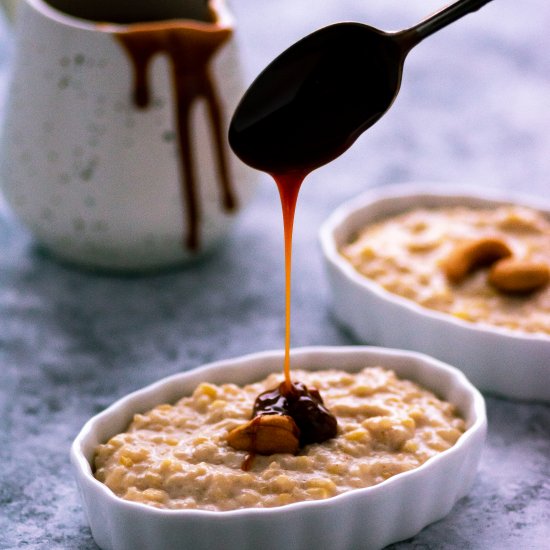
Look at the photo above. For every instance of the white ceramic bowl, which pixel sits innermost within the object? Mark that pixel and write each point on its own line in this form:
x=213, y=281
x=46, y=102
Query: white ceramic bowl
x=509, y=363
x=364, y=518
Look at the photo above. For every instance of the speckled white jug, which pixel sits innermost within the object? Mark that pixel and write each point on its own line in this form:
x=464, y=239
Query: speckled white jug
x=97, y=180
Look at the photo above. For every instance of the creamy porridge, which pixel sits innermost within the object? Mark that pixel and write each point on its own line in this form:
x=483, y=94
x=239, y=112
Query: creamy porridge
x=177, y=456
x=405, y=254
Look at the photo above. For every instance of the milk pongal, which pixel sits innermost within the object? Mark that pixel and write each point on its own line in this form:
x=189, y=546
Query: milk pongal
x=417, y=255
x=177, y=455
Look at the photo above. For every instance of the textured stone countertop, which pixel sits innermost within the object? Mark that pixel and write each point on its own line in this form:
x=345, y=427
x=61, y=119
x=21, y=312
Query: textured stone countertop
x=474, y=107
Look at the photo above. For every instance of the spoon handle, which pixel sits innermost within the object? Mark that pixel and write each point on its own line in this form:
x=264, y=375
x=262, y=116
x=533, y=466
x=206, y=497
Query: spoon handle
x=441, y=19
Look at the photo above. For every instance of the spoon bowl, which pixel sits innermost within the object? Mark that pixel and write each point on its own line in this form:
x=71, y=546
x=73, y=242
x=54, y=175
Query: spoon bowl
x=314, y=100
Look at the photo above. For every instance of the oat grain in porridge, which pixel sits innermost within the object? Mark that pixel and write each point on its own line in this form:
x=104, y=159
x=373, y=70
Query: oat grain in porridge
x=177, y=456
x=407, y=255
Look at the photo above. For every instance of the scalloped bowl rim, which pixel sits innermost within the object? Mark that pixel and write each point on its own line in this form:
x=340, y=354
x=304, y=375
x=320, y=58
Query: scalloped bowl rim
x=340, y=217
x=82, y=466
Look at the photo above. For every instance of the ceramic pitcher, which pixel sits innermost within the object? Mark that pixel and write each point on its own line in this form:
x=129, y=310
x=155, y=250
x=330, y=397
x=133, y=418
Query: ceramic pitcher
x=114, y=149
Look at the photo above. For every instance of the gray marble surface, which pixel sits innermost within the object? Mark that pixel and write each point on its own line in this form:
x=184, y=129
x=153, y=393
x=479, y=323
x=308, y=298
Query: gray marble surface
x=474, y=107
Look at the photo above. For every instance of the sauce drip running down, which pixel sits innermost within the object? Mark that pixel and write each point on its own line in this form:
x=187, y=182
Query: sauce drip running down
x=307, y=420
x=189, y=45
x=305, y=406
x=289, y=187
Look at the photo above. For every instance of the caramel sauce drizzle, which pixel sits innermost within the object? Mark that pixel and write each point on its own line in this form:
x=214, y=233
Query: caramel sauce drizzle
x=313, y=421
x=289, y=187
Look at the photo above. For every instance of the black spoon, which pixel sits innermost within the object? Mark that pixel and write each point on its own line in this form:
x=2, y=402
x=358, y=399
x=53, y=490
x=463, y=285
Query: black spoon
x=314, y=100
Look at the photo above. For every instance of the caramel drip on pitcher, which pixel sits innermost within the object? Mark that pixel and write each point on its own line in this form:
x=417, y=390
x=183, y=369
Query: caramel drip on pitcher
x=189, y=45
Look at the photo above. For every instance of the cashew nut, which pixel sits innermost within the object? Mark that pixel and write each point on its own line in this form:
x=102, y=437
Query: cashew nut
x=266, y=434
x=519, y=276
x=468, y=256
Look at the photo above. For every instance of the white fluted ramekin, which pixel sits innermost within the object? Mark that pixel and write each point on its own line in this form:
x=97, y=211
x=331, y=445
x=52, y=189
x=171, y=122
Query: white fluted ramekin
x=367, y=518
x=509, y=363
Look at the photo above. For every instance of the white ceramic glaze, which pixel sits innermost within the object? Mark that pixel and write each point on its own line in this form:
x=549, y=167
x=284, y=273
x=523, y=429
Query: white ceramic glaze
x=509, y=363
x=365, y=518
x=95, y=179
x=10, y=7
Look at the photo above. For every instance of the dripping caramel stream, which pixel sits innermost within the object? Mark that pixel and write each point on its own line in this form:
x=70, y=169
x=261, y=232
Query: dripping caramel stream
x=289, y=187
x=304, y=417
